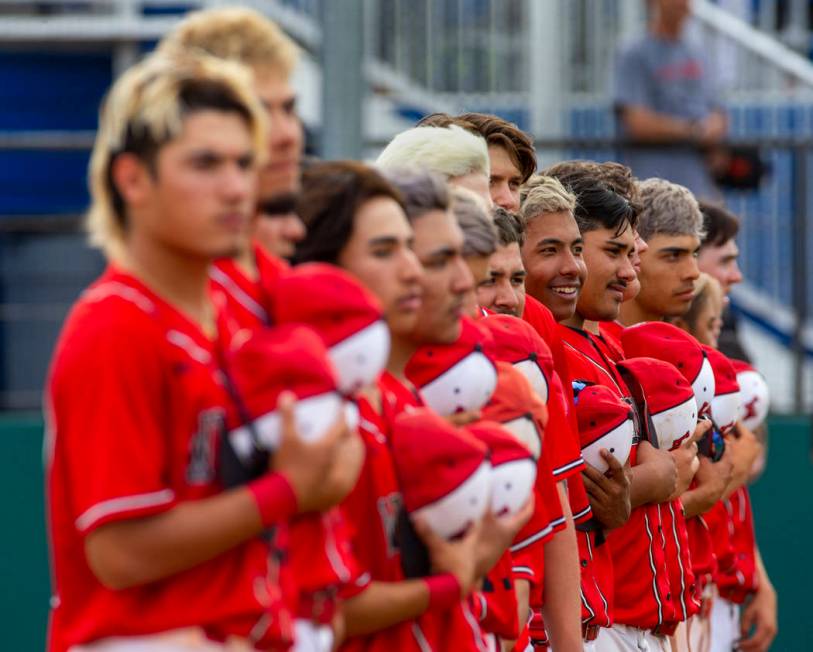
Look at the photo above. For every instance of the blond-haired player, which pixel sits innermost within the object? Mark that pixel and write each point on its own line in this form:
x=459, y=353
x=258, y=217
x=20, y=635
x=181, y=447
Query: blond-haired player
x=458, y=155
x=244, y=35
x=148, y=551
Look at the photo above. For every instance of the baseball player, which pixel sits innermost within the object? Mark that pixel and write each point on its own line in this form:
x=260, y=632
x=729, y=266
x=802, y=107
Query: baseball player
x=512, y=159
x=135, y=389
x=246, y=36
x=503, y=290
x=718, y=257
x=671, y=223
x=392, y=612
x=552, y=258
x=642, y=601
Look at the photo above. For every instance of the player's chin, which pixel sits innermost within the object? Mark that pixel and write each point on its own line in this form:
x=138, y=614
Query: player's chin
x=229, y=248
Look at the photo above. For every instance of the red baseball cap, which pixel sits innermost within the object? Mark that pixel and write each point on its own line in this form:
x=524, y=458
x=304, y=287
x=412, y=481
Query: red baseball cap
x=517, y=407
x=347, y=316
x=755, y=395
x=518, y=343
x=443, y=471
x=270, y=361
x=725, y=408
x=605, y=421
x=456, y=377
x=669, y=399
x=657, y=339
x=513, y=467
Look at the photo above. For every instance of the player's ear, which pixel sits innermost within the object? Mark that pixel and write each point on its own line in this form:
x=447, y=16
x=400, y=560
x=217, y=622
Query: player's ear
x=131, y=177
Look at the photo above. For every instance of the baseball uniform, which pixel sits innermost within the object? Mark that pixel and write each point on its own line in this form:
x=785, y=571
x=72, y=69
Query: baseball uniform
x=135, y=393
x=641, y=594
x=320, y=558
x=372, y=508
x=742, y=581
x=246, y=300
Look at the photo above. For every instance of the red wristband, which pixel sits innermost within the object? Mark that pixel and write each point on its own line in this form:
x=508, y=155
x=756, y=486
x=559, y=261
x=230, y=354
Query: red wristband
x=275, y=498
x=444, y=591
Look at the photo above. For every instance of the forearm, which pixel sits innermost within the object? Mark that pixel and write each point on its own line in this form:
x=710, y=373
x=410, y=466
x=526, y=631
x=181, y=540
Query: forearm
x=645, y=125
x=699, y=500
x=562, y=580
x=522, y=588
x=648, y=485
x=383, y=604
x=137, y=551
x=763, y=580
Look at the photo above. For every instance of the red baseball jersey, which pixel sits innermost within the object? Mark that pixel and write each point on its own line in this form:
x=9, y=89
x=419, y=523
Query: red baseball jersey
x=641, y=594
x=495, y=605
x=136, y=395
x=742, y=580
x=372, y=508
x=721, y=537
x=701, y=548
x=683, y=587
x=246, y=300
x=320, y=558
x=566, y=456
x=610, y=336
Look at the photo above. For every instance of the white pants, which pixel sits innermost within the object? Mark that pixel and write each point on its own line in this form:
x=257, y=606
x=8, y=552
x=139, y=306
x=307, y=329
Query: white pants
x=177, y=640
x=589, y=646
x=725, y=625
x=310, y=637
x=621, y=638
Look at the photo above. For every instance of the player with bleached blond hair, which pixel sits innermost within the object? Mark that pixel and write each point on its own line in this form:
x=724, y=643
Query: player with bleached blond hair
x=148, y=550
x=246, y=36
x=452, y=152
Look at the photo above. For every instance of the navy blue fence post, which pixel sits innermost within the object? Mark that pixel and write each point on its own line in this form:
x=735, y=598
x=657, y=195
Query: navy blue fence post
x=800, y=271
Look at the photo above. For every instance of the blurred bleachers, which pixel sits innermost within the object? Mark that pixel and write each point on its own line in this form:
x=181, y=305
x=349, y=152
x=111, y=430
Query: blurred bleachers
x=546, y=66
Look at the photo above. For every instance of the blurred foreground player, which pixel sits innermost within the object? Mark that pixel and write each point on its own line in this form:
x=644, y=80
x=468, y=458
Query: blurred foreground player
x=246, y=36
x=148, y=550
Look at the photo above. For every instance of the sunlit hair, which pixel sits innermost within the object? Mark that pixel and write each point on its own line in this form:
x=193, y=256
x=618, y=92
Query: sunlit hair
x=238, y=34
x=668, y=209
x=541, y=195
x=498, y=132
x=472, y=215
x=449, y=151
x=145, y=110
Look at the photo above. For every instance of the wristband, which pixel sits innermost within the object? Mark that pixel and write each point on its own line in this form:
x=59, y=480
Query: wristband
x=444, y=591
x=275, y=498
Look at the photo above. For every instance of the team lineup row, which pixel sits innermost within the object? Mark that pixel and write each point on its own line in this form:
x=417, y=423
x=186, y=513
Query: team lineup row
x=442, y=402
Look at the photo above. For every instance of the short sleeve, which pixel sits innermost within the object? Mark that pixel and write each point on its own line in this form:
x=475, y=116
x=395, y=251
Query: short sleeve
x=631, y=85
x=107, y=397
